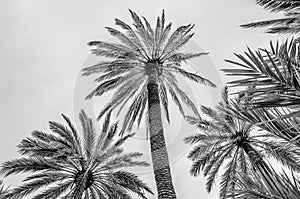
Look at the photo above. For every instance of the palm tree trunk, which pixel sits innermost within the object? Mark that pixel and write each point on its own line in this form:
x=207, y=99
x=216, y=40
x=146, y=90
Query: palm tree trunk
x=160, y=160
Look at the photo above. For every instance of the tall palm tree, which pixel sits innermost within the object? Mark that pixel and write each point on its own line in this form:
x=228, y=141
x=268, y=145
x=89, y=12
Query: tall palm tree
x=143, y=68
x=289, y=24
x=234, y=144
x=63, y=165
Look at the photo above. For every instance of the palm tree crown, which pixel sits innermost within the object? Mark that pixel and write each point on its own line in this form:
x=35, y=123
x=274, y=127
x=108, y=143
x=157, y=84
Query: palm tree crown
x=231, y=142
x=63, y=165
x=143, y=51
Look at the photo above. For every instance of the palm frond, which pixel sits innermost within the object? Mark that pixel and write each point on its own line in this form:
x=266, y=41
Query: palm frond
x=124, y=93
x=133, y=110
x=126, y=41
x=228, y=177
x=131, y=182
x=177, y=36
x=146, y=37
x=54, y=191
x=195, y=77
x=27, y=165
x=213, y=172
x=273, y=121
x=4, y=191
x=37, y=183
x=89, y=135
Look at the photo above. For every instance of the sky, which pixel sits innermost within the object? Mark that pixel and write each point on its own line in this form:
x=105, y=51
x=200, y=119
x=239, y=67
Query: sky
x=43, y=48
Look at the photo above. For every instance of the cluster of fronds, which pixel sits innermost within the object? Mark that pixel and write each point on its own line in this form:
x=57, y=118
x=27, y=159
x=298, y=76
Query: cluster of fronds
x=273, y=75
x=289, y=24
x=250, y=187
x=270, y=85
x=232, y=143
x=64, y=165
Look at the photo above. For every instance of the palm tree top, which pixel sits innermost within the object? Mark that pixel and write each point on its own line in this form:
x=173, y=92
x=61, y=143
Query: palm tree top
x=143, y=52
x=146, y=44
x=66, y=165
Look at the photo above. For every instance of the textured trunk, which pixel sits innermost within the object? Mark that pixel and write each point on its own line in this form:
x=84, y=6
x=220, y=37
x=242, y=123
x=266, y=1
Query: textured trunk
x=160, y=160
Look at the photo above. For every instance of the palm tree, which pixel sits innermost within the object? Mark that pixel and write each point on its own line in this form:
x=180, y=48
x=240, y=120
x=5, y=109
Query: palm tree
x=63, y=165
x=143, y=68
x=274, y=121
x=273, y=74
x=233, y=143
x=289, y=24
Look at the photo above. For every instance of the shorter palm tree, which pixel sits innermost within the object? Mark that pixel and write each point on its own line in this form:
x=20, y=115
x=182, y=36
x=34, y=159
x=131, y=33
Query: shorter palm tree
x=63, y=165
x=232, y=143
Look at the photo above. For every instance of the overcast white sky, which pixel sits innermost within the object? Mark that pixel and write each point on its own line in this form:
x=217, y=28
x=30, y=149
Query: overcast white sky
x=43, y=47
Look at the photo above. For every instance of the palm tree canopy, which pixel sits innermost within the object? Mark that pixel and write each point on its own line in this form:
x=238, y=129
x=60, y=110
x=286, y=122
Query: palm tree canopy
x=64, y=165
x=289, y=24
x=143, y=50
x=228, y=141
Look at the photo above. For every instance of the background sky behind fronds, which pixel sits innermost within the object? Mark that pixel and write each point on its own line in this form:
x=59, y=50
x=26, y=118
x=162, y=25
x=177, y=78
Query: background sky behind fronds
x=43, y=47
